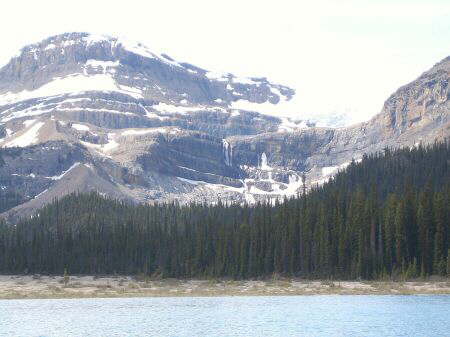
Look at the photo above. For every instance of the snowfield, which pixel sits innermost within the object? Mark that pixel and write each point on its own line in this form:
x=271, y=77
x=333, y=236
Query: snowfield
x=30, y=137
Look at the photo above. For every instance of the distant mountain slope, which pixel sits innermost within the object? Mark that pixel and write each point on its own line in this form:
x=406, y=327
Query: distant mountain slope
x=150, y=128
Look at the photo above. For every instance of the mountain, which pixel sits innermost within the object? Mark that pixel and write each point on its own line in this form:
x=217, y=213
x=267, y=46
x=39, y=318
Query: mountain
x=81, y=112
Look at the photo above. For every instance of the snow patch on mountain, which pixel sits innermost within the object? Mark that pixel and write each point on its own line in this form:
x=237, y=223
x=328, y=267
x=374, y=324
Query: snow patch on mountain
x=217, y=76
x=104, y=65
x=29, y=122
x=288, y=110
x=180, y=109
x=35, y=110
x=111, y=145
x=142, y=50
x=103, y=149
x=329, y=170
x=265, y=108
x=50, y=46
x=28, y=138
x=96, y=110
x=144, y=131
x=75, y=83
x=171, y=109
x=95, y=38
x=189, y=181
x=80, y=127
x=58, y=177
x=290, y=125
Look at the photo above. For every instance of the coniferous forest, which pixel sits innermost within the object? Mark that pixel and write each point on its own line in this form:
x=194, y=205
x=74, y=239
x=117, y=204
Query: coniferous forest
x=383, y=217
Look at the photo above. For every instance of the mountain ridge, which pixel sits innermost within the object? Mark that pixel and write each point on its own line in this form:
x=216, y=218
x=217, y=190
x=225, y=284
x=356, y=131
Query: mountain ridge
x=152, y=129
x=74, y=49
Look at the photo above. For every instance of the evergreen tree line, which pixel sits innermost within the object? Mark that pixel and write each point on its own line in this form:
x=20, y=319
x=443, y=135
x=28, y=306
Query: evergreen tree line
x=385, y=216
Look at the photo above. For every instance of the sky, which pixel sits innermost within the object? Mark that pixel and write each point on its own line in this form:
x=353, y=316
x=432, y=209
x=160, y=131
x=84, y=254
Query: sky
x=341, y=56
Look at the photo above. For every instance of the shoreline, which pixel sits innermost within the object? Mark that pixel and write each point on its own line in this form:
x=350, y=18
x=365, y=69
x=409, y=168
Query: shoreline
x=48, y=287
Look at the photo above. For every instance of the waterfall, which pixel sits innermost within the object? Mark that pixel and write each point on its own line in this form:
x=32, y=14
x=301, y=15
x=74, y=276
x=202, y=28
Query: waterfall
x=264, y=165
x=228, y=152
x=231, y=155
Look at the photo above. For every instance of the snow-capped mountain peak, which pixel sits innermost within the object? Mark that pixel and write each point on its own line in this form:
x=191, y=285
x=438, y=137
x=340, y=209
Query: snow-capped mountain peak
x=76, y=62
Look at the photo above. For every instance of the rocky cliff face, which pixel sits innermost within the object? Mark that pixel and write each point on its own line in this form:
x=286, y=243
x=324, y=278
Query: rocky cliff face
x=80, y=112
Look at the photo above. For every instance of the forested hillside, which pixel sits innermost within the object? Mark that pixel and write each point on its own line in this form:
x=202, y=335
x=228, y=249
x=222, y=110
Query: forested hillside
x=385, y=216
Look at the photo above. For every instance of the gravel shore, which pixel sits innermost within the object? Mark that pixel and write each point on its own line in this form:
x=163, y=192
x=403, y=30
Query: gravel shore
x=37, y=286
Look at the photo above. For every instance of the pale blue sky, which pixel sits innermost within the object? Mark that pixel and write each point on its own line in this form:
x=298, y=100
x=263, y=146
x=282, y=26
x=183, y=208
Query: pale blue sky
x=340, y=56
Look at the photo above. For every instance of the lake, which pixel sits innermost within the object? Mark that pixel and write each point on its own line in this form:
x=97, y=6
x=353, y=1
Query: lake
x=334, y=315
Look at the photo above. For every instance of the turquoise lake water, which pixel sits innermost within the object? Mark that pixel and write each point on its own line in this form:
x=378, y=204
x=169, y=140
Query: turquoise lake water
x=229, y=316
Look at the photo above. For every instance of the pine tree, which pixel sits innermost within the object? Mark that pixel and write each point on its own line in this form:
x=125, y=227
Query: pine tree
x=440, y=237
x=448, y=262
x=424, y=222
x=400, y=234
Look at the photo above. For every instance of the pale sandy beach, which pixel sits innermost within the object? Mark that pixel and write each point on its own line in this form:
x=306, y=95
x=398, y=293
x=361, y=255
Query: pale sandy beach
x=37, y=286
